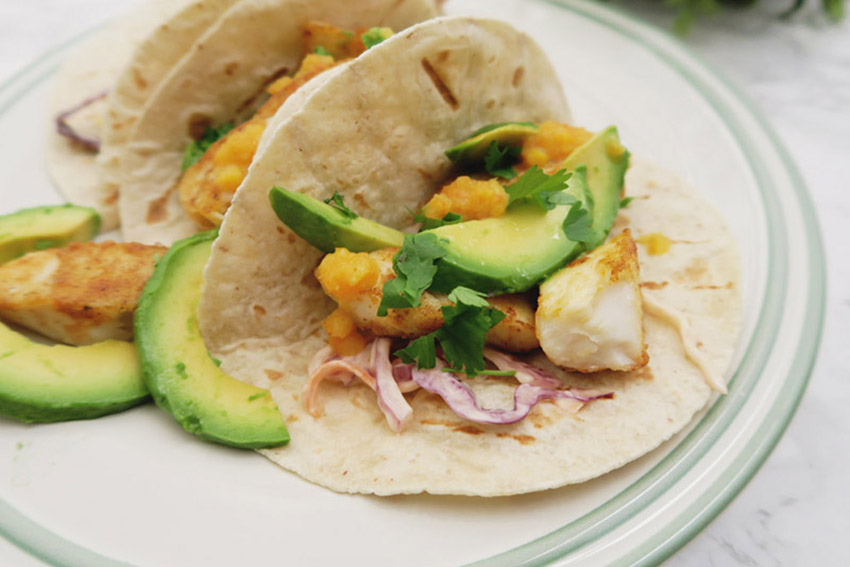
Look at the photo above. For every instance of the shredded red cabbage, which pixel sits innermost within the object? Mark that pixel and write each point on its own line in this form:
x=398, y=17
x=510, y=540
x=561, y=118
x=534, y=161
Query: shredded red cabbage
x=462, y=400
x=65, y=129
x=392, y=379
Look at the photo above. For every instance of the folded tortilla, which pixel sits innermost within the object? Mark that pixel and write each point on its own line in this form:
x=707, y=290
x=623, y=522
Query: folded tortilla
x=218, y=81
x=125, y=61
x=376, y=131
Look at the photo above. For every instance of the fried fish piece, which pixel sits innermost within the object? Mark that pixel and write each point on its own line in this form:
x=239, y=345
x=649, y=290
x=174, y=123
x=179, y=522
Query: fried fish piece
x=590, y=313
x=81, y=294
x=356, y=282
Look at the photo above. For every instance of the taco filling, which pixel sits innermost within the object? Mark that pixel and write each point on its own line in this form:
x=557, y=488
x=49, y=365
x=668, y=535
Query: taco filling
x=215, y=164
x=406, y=319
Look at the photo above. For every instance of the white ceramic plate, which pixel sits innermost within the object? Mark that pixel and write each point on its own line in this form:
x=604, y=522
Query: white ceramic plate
x=135, y=489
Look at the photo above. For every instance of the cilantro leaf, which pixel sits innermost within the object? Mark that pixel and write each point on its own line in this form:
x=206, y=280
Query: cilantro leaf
x=625, y=202
x=578, y=226
x=465, y=326
x=319, y=50
x=499, y=160
x=534, y=183
x=429, y=224
x=414, y=265
x=374, y=36
x=337, y=201
x=195, y=150
x=468, y=296
x=421, y=351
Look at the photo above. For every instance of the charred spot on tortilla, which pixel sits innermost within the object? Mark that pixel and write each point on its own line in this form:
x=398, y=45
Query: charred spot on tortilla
x=158, y=208
x=197, y=125
x=440, y=84
x=468, y=429
x=139, y=79
x=654, y=285
x=518, y=75
x=230, y=68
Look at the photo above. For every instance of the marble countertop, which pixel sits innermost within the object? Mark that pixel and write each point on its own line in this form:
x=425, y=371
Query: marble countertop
x=795, y=510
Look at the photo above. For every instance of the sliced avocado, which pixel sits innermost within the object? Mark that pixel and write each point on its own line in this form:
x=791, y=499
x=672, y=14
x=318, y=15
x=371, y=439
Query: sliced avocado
x=327, y=227
x=182, y=376
x=606, y=160
x=474, y=148
x=41, y=383
x=510, y=253
x=40, y=228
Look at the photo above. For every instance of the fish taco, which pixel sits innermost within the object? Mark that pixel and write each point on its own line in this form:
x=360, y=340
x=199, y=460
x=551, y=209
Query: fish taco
x=184, y=157
x=440, y=281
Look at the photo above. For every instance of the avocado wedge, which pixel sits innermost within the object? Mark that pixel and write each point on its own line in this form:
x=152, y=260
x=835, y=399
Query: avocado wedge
x=183, y=378
x=45, y=227
x=327, y=227
x=41, y=383
x=606, y=160
x=510, y=253
x=474, y=148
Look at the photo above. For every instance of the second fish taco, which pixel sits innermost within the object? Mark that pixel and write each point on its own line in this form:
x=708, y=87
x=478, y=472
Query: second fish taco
x=192, y=146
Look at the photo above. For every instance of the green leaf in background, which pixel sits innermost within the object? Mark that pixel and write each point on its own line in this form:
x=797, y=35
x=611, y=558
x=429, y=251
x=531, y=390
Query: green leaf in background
x=687, y=11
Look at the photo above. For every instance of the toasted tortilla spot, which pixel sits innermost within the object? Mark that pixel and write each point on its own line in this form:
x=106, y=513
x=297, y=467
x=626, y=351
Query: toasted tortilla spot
x=440, y=85
x=469, y=429
x=259, y=310
x=361, y=200
x=158, y=208
x=113, y=195
x=198, y=123
x=273, y=374
x=653, y=285
x=231, y=68
x=518, y=75
x=521, y=439
x=139, y=79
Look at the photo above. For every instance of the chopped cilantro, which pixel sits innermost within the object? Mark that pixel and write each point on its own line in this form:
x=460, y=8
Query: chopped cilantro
x=625, y=202
x=428, y=223
x=319, y=50
x=337, y=201
x=465, y=325
x=499, y=160
x=420, y=351
x=374, y=36
x=263, y=394
x=196, y=149
x=536, y=186
x=578, y=226
x=414, y=268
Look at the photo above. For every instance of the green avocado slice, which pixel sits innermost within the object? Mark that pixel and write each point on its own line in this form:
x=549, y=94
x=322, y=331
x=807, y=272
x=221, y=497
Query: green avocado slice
x=606, y=160
x=510, y=253
x=474, y=148
x=41, y=383
x=40, y=228
x=183, y=378
x=327, y=227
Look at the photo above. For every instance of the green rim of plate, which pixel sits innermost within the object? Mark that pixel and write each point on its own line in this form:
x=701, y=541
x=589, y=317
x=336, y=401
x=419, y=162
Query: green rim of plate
x=55, y=550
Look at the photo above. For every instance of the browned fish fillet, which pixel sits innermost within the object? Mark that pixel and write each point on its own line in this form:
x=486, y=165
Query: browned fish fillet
x=80, y=294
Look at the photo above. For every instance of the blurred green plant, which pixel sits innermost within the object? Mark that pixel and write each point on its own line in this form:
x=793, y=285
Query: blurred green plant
x=688, y=10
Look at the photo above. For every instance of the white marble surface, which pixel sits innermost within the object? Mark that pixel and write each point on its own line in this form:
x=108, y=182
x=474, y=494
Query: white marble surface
x=795, y=510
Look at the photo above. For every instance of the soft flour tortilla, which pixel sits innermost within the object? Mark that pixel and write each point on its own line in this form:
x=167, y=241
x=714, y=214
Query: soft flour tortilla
x=126, y=60
x=255, y=41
